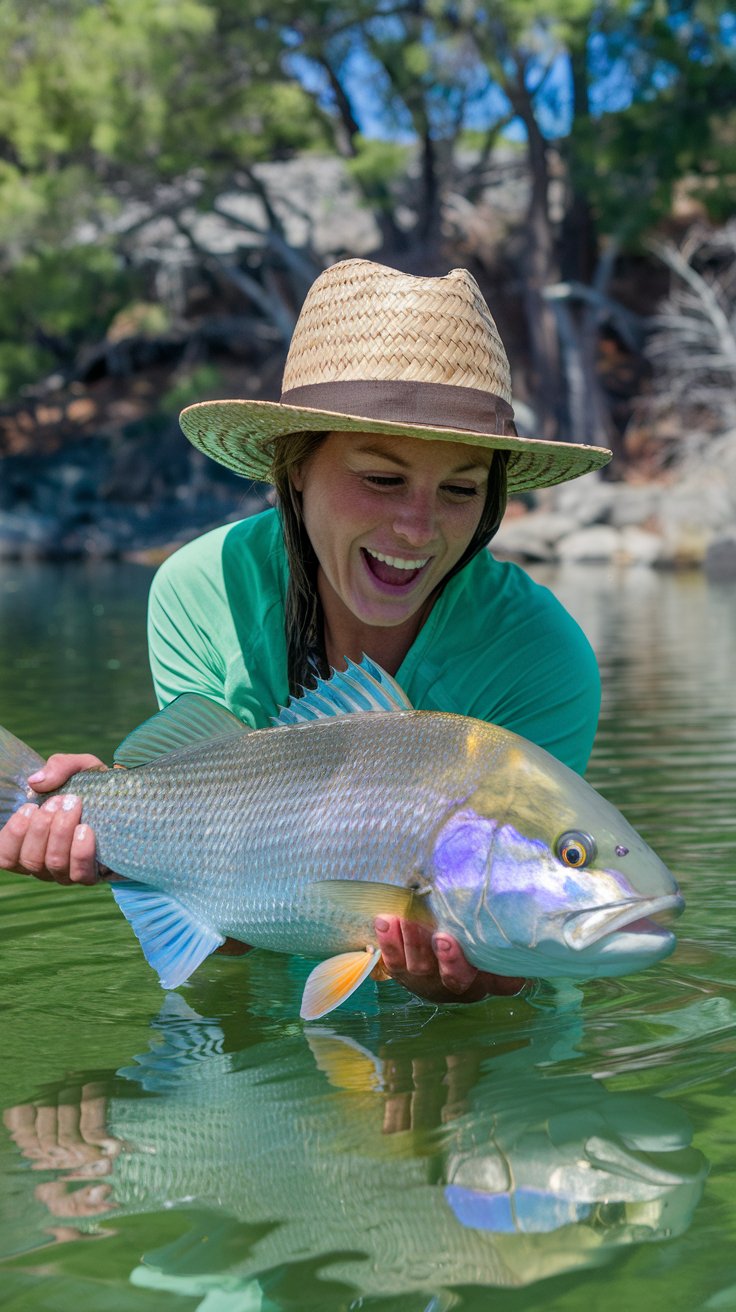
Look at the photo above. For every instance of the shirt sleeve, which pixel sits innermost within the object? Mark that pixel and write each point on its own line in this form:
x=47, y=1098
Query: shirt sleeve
x=506, y=650
x=561, y=707
x=182, y=656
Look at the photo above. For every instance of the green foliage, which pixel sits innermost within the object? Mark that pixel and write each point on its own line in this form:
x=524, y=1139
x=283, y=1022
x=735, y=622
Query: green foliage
x=190, y=385
x=112, y=106
x=376, y=166
x=54, y=300
x=101, y=106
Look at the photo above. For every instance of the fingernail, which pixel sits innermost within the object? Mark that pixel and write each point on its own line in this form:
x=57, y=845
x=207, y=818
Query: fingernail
x=441, y=944
x=27, y=809
x=80, y=833
x=53, y=804
x=37, y=778
x=70, y=801
x=381, y=924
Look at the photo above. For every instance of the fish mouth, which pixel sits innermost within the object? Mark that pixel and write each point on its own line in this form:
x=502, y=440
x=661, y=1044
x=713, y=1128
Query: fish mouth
x=584, y=928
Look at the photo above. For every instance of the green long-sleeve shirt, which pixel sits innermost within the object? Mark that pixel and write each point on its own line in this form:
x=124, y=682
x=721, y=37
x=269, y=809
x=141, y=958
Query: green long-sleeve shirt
x=496, y=645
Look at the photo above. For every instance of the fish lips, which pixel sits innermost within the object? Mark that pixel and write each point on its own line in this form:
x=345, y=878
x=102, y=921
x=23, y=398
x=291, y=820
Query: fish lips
x=583, y=929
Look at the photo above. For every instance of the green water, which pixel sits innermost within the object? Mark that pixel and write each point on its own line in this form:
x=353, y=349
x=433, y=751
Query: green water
x=570, y=1149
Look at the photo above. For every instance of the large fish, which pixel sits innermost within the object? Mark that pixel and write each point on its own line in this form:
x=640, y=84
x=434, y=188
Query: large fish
x=354, y=805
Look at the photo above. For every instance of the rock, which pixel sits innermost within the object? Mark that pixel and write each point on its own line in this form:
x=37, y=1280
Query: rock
x=532, y=536
x=639, y=546
x=28, y=535
x=600, y=542
x=583, y=501
x=634, y=504
x=720, y=558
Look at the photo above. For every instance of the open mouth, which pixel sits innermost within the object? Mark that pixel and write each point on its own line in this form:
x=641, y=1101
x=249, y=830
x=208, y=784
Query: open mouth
x=635, y=916
x=394, y=572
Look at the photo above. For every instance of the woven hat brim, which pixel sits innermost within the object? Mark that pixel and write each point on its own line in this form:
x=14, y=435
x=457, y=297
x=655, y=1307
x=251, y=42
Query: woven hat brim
x=236, y=434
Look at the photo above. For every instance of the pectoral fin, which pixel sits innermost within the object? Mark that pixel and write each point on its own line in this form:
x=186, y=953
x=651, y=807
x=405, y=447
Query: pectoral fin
x=333, y=981
x=174, y=941
x=368, y=900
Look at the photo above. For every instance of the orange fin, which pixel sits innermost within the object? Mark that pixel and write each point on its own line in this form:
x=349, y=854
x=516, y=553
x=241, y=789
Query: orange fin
x=346, y=1063
x=332, y=981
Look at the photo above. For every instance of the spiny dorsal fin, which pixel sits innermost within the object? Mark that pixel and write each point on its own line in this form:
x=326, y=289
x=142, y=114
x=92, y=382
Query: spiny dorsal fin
x=358, y=690
x=188, y=720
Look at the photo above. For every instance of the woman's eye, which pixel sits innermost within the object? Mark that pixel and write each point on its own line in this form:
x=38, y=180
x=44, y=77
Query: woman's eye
x=383, y=480
x=465, y=492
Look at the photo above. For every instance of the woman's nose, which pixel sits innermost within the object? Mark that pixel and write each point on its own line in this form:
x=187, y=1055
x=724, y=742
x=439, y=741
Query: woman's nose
x=414, y=520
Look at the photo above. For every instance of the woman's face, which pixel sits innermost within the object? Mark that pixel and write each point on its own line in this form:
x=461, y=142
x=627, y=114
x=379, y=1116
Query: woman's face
x=388, y=517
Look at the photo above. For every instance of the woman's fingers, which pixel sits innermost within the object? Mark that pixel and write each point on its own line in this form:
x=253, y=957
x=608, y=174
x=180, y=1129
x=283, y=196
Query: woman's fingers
x=406, y=947
x=59, y=769
x=456, y=972
x=65, y=812
x=83, y=866
x=435, y=967
x=49, y=843
x=12, y=837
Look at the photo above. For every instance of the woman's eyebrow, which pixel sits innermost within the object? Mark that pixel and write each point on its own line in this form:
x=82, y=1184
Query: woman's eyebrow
x=473, y=465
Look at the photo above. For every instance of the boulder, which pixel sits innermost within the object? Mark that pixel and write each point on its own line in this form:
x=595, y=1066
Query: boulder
x=639, y=546
x=720, y=558
x=532, y=536
x=599, y=542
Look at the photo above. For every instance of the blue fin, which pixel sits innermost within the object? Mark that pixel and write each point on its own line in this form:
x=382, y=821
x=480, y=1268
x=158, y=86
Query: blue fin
x=185, y=1043
x=16, y=763
x=357, y=690
x=188, y=720
x=174, y=942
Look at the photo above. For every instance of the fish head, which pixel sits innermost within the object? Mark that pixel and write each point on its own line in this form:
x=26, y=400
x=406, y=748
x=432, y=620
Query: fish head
x=536, y=874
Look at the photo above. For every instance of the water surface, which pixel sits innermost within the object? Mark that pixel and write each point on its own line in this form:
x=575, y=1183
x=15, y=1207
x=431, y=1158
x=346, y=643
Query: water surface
x=570, y=1148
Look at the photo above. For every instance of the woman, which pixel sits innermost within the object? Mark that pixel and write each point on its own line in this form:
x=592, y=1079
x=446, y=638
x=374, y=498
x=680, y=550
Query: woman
x=391, y=450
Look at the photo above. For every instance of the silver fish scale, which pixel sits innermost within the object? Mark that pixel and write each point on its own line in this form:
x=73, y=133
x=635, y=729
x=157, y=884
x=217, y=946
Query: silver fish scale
x=238, y=827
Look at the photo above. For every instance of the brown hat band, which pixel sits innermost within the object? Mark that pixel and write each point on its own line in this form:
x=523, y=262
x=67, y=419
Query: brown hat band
x=401, y=401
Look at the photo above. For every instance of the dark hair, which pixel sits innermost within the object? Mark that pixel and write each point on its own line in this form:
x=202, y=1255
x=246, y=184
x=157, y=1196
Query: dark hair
x=304, y=627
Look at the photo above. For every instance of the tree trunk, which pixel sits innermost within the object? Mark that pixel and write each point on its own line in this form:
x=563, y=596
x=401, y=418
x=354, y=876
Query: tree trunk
x=539, y=269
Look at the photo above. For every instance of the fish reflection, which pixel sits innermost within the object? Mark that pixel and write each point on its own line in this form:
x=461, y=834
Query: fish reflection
x=381, y=1165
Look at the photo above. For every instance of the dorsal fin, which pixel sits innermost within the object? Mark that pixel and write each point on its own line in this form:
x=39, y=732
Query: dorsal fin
x=358, y=690
x=189, y=719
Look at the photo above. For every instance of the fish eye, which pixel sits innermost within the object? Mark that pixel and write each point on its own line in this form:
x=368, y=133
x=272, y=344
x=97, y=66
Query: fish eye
x=575, y=849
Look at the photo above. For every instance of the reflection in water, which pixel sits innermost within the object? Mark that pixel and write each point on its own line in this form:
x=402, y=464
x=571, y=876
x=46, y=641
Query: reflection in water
x=407, y=1167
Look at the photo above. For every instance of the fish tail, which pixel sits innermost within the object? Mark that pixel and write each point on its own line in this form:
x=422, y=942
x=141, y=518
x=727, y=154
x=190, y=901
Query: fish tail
x=17, y=761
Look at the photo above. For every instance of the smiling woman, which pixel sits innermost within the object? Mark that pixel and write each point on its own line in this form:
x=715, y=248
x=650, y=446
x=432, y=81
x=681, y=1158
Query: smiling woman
x=389, y=519
x=391, y=451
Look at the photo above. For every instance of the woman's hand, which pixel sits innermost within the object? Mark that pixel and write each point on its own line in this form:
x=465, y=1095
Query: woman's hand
x=48, y=841
x=433, y=965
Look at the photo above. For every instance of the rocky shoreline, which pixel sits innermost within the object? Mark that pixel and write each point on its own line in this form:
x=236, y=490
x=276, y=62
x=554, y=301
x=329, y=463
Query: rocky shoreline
x=70, y=505
x=686, y=520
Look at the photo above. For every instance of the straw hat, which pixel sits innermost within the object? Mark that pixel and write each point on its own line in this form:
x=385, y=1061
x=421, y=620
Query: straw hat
x=376, y=350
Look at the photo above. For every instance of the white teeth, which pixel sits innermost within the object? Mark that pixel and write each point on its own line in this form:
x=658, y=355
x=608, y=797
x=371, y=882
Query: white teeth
x=394, y=560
